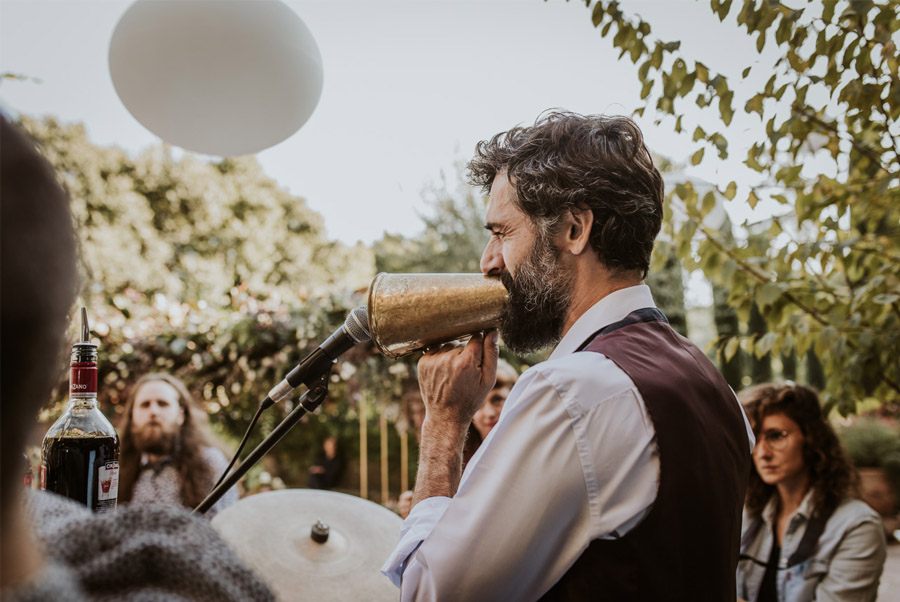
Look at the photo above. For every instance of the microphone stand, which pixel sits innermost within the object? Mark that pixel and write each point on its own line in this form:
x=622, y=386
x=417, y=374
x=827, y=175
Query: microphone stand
x=309, y=402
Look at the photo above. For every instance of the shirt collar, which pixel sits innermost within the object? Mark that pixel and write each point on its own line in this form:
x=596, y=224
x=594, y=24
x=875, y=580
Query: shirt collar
x=804, y=509
x=611, y=308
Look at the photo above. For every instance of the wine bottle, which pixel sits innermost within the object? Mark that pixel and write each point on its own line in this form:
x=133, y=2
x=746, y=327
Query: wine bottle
x=80, y=453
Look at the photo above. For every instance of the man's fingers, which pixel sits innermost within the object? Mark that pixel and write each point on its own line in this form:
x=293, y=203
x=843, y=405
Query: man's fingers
x=474, y=348
x=489, y=355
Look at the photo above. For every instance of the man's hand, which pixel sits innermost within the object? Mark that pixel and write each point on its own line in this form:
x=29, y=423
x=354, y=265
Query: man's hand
x=454, y=382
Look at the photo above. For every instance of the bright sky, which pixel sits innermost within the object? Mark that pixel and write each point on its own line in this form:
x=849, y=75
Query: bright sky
x=410, y=87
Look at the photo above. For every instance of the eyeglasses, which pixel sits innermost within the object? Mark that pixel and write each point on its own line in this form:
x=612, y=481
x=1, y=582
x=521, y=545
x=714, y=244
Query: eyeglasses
x=775, y=439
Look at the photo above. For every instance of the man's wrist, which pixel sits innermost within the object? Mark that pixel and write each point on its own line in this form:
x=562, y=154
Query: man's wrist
x=443, y=437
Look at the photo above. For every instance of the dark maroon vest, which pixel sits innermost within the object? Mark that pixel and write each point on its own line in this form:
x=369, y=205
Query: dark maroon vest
x=686, y=548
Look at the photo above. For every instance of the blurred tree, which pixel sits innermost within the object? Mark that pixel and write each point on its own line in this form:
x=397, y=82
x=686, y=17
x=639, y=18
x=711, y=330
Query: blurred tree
x=829, y=281
x=667, y=283
x=452, y=239
x=199, y=228
x=727, y=328
x=213, y=272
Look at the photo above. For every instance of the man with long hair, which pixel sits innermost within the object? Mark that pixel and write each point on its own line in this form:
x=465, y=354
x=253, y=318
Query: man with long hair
x=618, y=467
x=168, y=454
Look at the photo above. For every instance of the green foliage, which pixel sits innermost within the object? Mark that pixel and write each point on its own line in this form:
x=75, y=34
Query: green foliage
x=666, y=282
x=214, y=273
x=827, y=278
x=872, y=443
x=453, y=237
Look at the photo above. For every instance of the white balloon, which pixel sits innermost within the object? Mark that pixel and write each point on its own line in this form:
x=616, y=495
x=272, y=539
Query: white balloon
x=220, y=78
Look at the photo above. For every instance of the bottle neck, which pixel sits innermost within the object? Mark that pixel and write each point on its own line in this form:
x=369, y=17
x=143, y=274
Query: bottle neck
x=83, y=402
x=83, y=382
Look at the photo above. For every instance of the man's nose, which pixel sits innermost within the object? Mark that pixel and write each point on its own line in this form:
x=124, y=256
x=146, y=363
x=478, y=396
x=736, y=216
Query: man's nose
x=492, y=259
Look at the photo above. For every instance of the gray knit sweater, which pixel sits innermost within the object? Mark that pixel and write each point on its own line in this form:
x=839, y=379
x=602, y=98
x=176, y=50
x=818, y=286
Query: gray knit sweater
x=142, y=553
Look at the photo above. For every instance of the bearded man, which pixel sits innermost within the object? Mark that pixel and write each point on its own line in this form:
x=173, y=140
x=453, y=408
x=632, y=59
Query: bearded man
x=168, y=454
x=618, y=468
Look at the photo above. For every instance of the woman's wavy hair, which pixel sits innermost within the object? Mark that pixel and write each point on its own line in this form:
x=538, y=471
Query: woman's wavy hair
x=567, y=161
x=195, y=475
x=832, y=476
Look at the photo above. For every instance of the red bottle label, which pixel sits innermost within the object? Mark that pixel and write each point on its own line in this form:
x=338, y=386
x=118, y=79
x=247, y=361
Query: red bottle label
x=83, y=379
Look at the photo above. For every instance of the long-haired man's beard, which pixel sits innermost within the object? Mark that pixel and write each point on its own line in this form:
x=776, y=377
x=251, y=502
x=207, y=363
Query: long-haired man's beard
x=539, y=298
x=155, y=439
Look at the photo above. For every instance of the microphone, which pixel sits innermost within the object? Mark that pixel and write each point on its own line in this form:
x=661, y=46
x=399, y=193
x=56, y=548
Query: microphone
x=354, y=330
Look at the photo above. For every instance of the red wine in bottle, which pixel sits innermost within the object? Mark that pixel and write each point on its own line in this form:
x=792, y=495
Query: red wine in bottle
x=80, y=453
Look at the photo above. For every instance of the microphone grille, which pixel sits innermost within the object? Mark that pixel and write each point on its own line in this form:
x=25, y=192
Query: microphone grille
x=357, y=325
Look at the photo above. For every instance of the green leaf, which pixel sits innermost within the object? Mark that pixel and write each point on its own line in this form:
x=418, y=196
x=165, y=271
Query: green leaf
x=886, y=298
x=709, y=202
x=764, y=345
x=731, y=190
x=724, y=7
x=697, y=157
x=755, y=104
x=767, y=294
x=699, y=134
x=702, y=72
x=745, y=73
x=597, y=14
x=725, y=109
x=752, y=200
x=731, y=348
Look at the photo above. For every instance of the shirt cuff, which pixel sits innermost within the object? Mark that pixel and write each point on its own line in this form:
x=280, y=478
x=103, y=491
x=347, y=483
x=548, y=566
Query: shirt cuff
x=417, y=526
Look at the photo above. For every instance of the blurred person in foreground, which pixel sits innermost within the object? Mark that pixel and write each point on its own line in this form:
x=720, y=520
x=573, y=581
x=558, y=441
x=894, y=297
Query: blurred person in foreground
x=619, y=467
x=805, y=535
x=168, y=454
x=52, y=548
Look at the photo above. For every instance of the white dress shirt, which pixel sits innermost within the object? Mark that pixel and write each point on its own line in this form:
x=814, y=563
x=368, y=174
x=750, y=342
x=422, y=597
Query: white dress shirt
x=573, y=458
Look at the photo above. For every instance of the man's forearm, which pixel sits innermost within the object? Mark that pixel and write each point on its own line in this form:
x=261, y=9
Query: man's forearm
x=440, y=460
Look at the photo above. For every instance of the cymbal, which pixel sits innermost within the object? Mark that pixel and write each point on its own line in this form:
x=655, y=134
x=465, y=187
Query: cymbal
x=272, y=533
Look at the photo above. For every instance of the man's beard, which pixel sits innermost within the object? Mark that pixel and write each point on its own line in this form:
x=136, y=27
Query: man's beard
x=154, y=439
x=539, y=299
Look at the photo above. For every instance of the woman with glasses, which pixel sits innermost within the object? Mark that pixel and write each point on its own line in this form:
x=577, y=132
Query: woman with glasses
x=805, y=536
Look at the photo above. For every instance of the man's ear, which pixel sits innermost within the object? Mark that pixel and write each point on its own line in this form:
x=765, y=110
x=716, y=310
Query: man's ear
x=575, y=234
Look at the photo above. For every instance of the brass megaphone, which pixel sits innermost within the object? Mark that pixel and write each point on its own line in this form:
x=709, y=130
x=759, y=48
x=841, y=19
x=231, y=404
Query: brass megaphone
x=408, y=312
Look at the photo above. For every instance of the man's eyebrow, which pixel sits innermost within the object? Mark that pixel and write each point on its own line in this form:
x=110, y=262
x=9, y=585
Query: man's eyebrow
x=492, y=226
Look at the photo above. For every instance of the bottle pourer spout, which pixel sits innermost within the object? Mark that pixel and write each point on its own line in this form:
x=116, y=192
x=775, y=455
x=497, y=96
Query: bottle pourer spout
x=85, y=327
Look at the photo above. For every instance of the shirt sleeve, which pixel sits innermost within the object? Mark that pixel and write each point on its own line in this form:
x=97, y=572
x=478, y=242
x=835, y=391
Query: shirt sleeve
x=856, y=566
x=417, y=526
x=508, y=532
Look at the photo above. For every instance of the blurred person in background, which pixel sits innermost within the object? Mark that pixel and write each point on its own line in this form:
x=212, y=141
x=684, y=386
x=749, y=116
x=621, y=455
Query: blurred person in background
x=805, y=535
x=52, y=548
x=329, y=467
x=168, y=454
x=487, y=416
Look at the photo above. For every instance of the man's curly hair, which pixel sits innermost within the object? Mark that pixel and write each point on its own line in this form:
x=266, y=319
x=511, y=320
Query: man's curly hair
x=832, y=477
x=567, y=161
